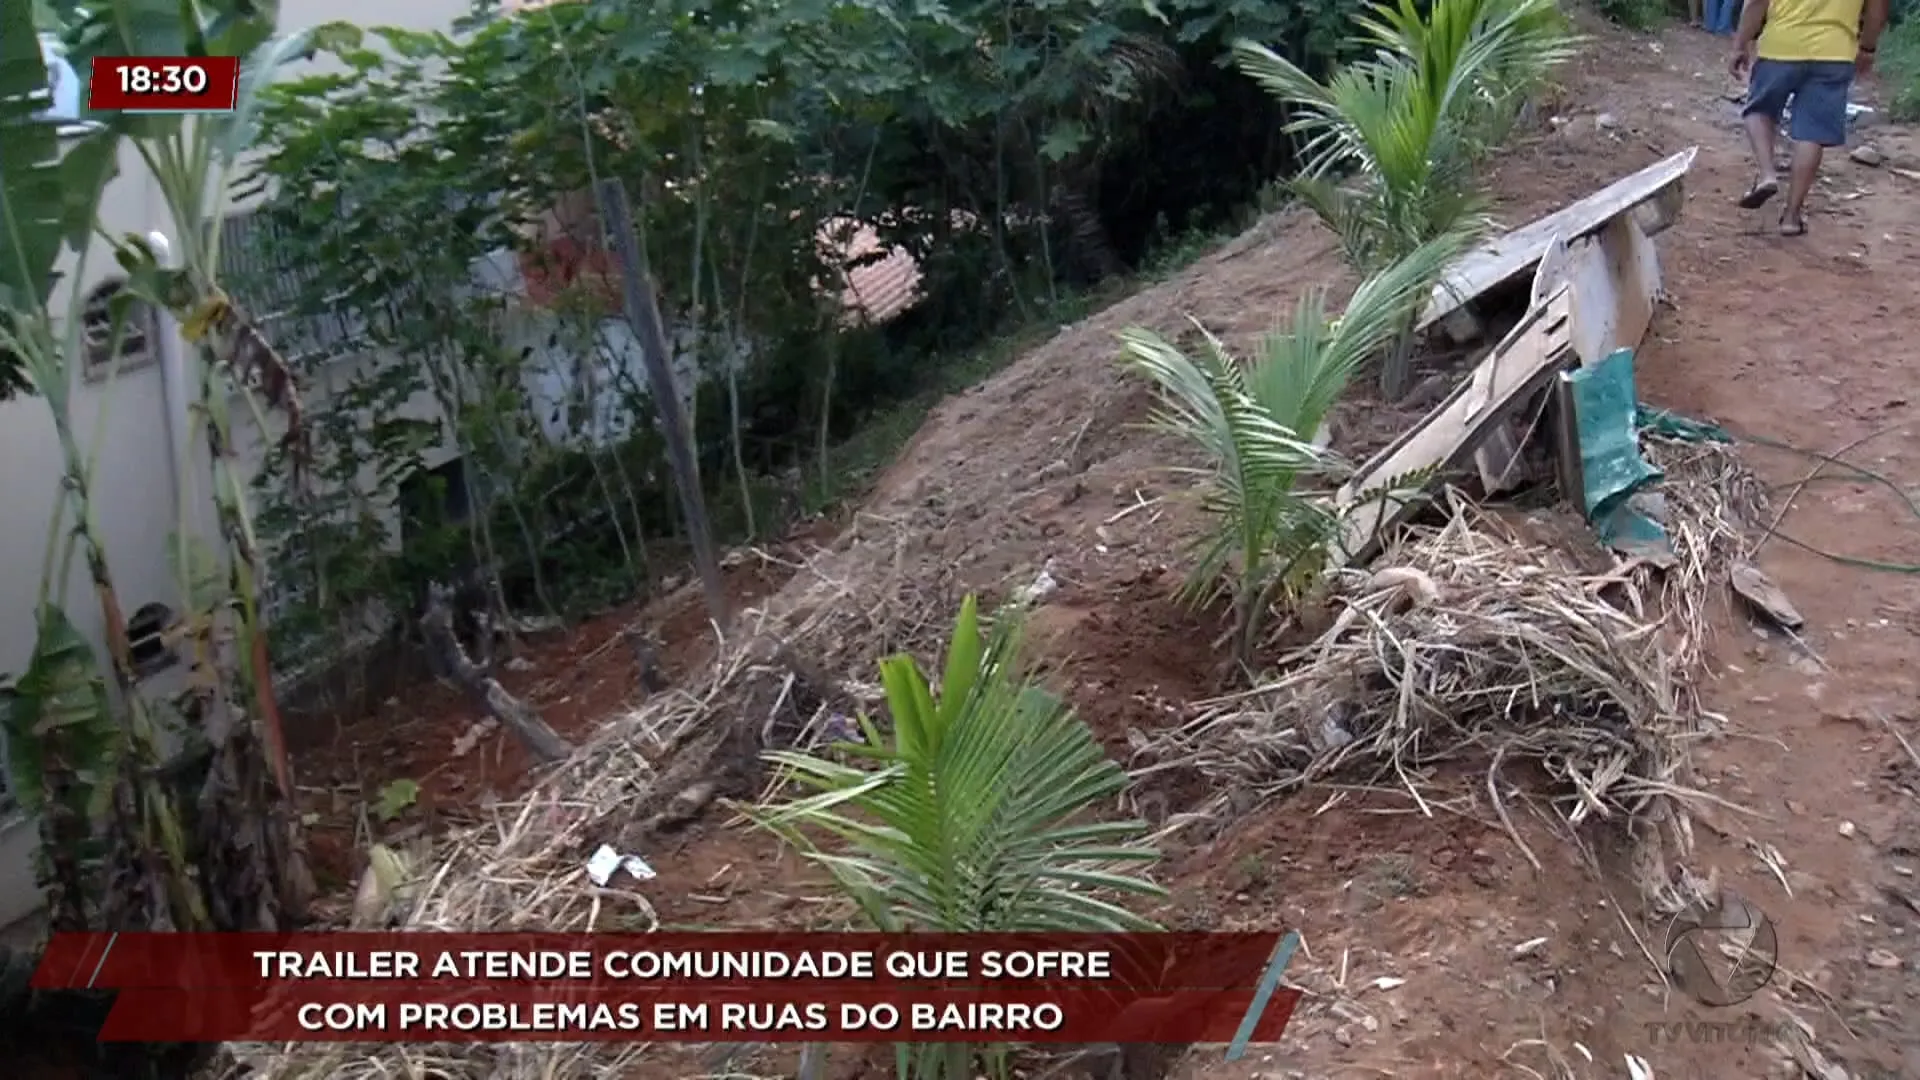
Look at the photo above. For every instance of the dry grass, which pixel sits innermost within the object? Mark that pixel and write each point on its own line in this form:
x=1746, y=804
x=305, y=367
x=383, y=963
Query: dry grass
x=1469, y=641
x=776, y=682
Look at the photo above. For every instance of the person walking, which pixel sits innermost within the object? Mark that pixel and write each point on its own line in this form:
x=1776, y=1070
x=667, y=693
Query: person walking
x=1803, y=53
x=1722, y=17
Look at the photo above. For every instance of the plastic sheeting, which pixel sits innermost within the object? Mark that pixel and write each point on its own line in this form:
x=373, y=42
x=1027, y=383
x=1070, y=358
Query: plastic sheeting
x=1607, y=414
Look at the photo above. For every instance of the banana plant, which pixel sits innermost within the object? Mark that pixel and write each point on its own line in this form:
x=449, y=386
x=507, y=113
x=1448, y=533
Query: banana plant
x=1390, y=142
x=243, y=867
x=978, y=813
x=82, y=755
x=1255, y=423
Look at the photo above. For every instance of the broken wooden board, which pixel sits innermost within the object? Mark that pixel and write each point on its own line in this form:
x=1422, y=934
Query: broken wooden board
x=1371, y=502
x=1654, y=196
x=1566, y=441
x=1613, y=274
x=1499, y=460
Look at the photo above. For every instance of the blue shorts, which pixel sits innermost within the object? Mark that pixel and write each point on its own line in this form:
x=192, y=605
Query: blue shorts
x=1818, y=90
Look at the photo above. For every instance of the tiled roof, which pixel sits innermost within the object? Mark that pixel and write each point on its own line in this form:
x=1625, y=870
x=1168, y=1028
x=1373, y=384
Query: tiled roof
x=876, y=291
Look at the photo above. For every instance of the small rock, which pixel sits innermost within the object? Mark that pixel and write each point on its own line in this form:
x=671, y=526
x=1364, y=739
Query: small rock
x=1847, y=829
x=1881, y=958
x=1528, y=948
x=1462, y=326
x=1866, y=155
x=1606, y=121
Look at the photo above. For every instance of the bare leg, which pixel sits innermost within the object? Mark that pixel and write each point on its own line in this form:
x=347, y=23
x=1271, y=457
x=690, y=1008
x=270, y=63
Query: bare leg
x=1762, y=130
x=1806, y=165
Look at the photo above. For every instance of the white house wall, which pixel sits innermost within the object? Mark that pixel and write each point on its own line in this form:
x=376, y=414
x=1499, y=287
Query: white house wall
x=135, y=497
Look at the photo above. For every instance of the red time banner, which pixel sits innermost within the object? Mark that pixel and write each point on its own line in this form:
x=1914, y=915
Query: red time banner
x=164, y=84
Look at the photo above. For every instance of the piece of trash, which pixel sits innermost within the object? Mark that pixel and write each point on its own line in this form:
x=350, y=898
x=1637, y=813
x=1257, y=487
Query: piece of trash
x=380, y=885
x=466, y=741
x=1764, y=596
x=607, y=861
x=1388, y=982
x=1041, y=588
x=1528, y=948
x=1333, y=729
x=841, y=728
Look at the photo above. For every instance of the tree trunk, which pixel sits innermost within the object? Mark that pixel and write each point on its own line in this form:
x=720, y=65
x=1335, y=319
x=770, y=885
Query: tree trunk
x=540, y=740
x=643, y=313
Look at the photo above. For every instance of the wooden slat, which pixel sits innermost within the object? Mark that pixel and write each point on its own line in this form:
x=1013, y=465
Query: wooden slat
x=1653, y=194
x=1535, y=349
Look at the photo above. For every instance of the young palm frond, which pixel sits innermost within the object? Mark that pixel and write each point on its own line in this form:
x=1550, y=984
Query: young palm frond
x=1252, y=423
x=1253, y=459
x=975, y=817
x=1406, y=120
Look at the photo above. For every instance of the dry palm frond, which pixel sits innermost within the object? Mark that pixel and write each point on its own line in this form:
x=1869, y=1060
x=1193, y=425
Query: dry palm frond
x=777, y=681
x=1512, y=655
x=1713, y=505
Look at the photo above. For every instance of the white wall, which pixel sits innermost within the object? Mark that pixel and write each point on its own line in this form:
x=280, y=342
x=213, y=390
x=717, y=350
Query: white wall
x=135, y=491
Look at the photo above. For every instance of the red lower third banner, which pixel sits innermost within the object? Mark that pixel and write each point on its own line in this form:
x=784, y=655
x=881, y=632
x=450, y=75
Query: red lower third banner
x=518, y=1013
x=1160, y=961
x=696, y=987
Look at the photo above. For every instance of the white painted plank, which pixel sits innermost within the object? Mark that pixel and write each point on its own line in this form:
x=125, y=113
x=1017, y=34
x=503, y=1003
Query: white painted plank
x=1535, y=349
x=1656, y=187
x=1613, y=276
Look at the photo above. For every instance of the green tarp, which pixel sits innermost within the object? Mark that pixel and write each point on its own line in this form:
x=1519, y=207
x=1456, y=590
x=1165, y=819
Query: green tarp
x=1608, y=414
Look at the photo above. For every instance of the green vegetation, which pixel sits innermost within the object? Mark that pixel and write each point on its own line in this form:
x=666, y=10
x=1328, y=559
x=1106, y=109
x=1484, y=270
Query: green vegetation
x=979, y=812
x=1020, y=156
x=1254, y=421
x=220, y=850
x=1899, y=61
x=1390, y=142
x=1635, y=14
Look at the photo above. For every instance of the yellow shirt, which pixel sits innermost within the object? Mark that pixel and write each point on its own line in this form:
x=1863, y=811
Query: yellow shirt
x=1811, y=30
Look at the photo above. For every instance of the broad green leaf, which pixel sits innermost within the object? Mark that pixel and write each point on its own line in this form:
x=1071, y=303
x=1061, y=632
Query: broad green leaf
x=48, y=191
x=396, y=798
x=60, y=723
x=234, y=132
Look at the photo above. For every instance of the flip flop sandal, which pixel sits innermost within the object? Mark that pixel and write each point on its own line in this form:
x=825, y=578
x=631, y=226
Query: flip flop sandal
x=1758, y=195
x=1793, y=228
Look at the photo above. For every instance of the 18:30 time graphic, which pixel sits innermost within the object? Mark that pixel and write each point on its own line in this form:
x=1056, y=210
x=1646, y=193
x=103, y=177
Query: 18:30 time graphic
x=164, y=84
